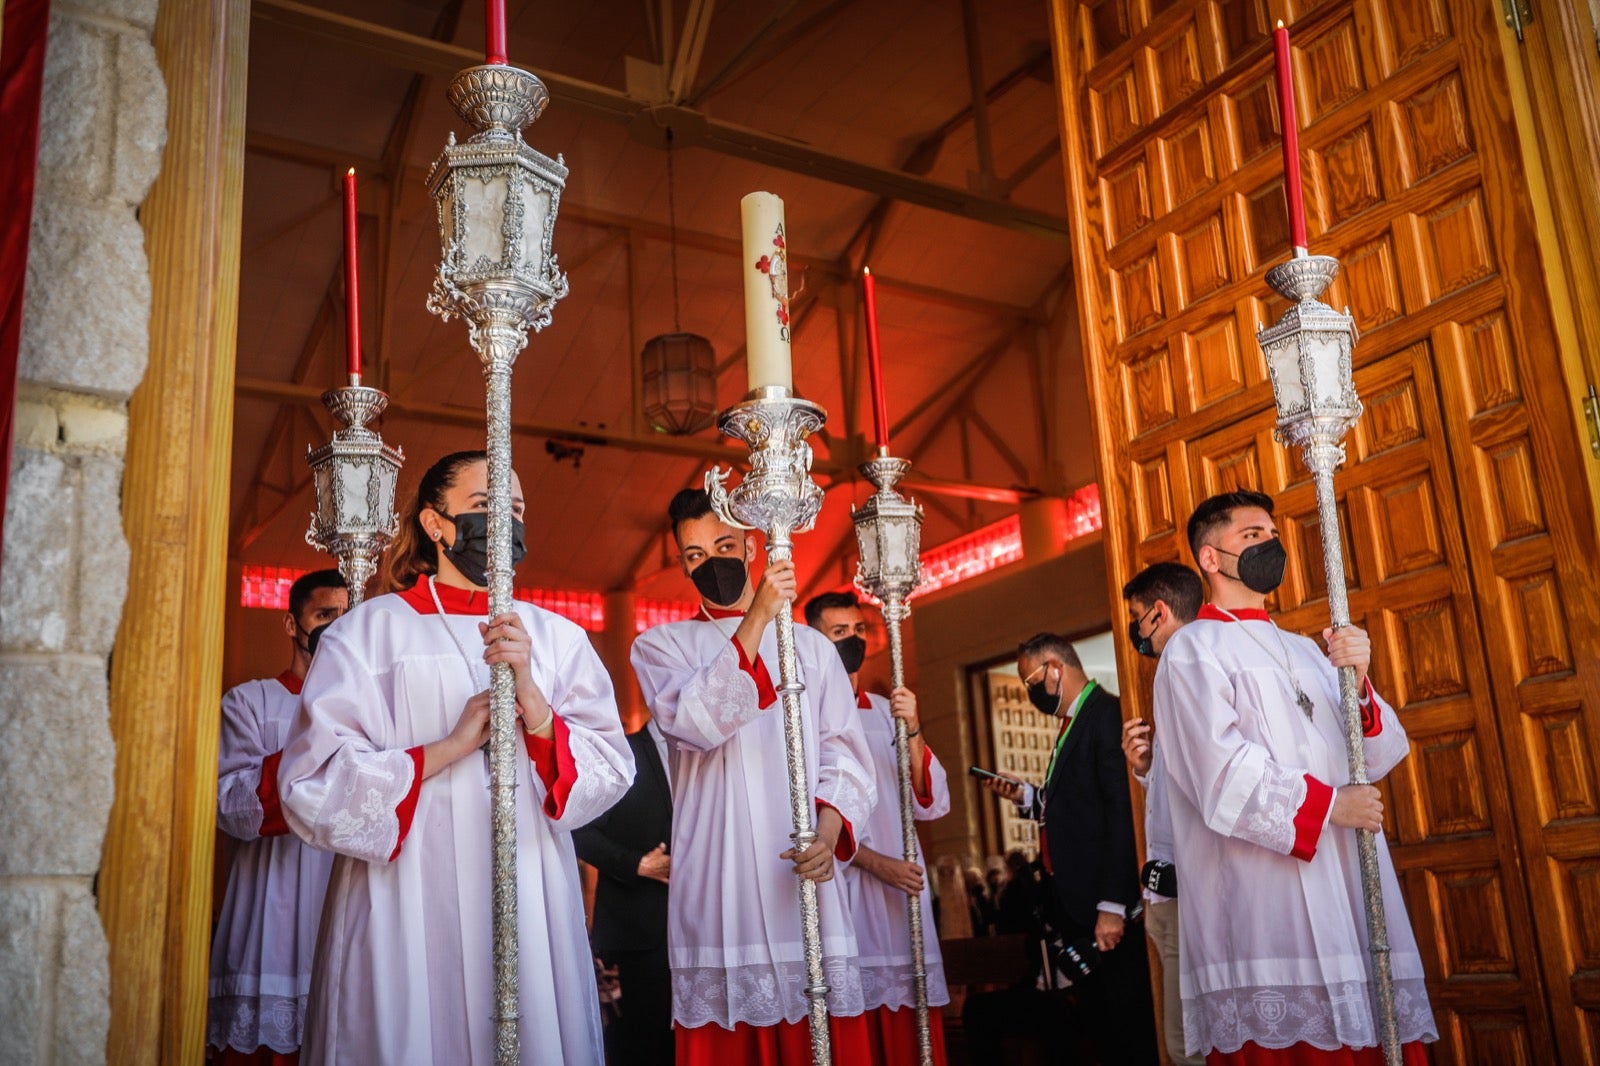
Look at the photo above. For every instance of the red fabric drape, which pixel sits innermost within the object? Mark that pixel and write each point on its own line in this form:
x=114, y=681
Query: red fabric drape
x=22, y=40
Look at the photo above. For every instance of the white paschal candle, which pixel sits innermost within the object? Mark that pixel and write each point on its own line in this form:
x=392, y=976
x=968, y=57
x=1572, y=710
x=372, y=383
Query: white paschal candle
x=766, y=291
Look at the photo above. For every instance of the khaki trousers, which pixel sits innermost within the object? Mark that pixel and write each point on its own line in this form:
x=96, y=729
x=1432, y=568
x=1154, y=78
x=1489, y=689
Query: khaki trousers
x=1161, y=923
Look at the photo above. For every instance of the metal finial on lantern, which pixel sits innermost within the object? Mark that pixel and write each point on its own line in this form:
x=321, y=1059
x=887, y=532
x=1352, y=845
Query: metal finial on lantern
x=1309, y=354
x=355, y=475
x=497, y=203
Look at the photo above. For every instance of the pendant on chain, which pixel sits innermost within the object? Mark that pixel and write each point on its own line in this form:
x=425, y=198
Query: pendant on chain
x=1303, y=700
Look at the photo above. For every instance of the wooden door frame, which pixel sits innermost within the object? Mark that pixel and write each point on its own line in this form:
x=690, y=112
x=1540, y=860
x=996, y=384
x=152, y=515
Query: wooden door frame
x=166, y=678
x=1554, y=77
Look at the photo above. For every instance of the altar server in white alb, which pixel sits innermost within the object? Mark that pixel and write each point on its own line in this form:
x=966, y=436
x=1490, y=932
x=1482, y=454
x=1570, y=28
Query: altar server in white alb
x=267, y=930
x=879, y=878
x=734, y=934
x=1273, y=936
x=384, y=768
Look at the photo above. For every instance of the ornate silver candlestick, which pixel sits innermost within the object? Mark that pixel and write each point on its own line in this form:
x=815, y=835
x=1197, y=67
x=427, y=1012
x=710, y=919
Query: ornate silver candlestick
x=889, y=533
x=779, y=498
x=1308, y=356
x=355, y=475
x=497, y=201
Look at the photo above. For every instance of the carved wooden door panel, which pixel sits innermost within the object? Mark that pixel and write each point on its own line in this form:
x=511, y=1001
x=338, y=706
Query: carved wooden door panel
x=1470, y=556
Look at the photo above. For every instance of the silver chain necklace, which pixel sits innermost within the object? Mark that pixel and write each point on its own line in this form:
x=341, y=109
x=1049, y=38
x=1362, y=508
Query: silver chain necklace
x=1300, y=696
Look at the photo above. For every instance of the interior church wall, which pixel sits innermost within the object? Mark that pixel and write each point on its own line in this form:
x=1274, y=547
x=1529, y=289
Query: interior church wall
x=977, y=622
x=84, y=347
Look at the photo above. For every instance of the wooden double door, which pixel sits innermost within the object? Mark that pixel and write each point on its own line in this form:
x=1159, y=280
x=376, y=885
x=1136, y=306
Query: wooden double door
x=1469, y=531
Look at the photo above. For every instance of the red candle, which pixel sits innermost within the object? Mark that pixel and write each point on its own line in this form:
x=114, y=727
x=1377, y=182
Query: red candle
x=494, y=20
x=1292, y=186
x=352, y=287
x=880, y=410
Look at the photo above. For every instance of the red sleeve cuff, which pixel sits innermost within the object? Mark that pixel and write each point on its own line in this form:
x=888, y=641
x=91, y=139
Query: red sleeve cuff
x=766, y=695
x=552, y=761
x=845, y=849
x=408, y=806
x=925, y=797
x=1371, y=713
x=272, y=823
x=1309, y=818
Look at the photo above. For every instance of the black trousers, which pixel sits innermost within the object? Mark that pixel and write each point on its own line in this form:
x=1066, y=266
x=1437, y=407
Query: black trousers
x=1115, y=1009
x=640, y=1032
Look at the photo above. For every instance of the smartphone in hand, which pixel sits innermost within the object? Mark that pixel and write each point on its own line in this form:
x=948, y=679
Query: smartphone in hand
x=981, y=774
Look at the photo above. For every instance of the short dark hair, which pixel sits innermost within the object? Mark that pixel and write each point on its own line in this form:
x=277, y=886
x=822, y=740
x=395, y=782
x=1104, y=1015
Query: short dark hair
x=307, y=583
x=829, y=601
x=1173, y=583
x=686, y=506
x=1217, y=511
x=1041, y=644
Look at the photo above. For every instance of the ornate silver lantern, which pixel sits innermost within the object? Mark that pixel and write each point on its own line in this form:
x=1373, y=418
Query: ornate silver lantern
x=355, y=475
x=1309, y=358
x=889, y=534
x=497, y=200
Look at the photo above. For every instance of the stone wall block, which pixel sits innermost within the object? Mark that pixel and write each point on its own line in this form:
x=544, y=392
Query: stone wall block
x=141, y=130
x=55, y=766
x=74, y=127
x=83, y=980
x=87, y=325
x=27, y=947
x=102, y=556
x=36, y=582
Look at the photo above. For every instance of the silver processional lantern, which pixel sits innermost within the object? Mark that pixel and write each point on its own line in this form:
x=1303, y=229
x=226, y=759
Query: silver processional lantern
x=1309, y=354
x=889, y=535
x=355, y=475
x=497, y=202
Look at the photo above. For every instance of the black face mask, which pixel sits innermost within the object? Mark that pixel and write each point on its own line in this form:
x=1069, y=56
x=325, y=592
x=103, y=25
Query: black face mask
x=310, y=646
x=1261, y=565
x=1145, y=646
x=1044, y=701
x=853, y=651
x=316, y=635
x=720, y=579
x=470, y=552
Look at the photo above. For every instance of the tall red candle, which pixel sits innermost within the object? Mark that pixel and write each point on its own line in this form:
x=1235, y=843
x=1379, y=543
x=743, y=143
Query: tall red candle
x=352, y=286
x=880, y=410
x=494, y=21
x=1292, y=186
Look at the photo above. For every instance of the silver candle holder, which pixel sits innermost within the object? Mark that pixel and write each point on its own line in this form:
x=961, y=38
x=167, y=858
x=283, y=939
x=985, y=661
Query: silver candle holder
x=497, y=202
x=1309, y=358
x=889, y=535
x=779, y=498
x=355, y=475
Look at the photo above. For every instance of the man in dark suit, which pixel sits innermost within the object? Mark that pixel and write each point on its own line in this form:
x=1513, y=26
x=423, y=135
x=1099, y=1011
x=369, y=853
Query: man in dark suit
x=628, y=846
x=1085, y=817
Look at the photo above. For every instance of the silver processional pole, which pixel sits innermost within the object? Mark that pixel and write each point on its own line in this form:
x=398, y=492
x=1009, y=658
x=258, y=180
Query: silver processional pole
x=779, y=498
x=497, y=200
x=889, y=534
x=1309, y=357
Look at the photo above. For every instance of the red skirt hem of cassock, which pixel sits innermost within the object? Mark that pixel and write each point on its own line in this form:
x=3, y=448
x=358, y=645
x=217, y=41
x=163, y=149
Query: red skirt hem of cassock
x=1253, y=1054
x=894, y=1036
x=784, y=1044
